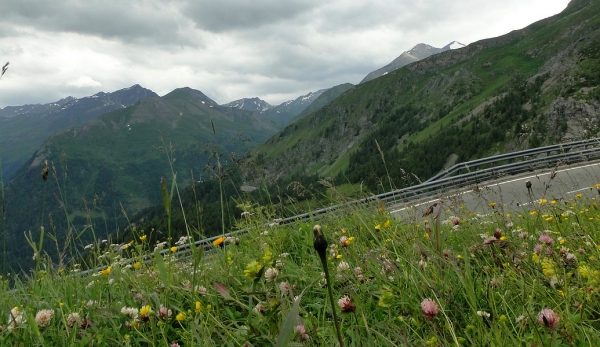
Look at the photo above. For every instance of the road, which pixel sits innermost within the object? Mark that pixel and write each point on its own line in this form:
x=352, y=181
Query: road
x=510, y=194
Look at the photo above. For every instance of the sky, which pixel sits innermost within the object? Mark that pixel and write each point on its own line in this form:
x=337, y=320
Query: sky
x=276, y=50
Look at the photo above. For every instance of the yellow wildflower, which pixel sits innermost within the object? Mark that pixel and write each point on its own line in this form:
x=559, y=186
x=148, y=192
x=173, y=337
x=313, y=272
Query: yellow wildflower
x=387, y=224
x=252, y=269
x=543, y=201
x=268, y=256
x=143, y=238
x=106, y=271
x=137, y=265
x=339, y=256
x=578, y=195
x=180, y=316
x=492, y=204
x=145, y=310
x=585, y=271
x=378, y=227
x=198, y=306
x=549, y=219
x=219, y=242
x=548, y=267
x=173, y=249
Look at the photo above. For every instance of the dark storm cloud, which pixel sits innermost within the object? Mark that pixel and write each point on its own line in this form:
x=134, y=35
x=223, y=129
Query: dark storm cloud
x=128, y=21
x=226, y=15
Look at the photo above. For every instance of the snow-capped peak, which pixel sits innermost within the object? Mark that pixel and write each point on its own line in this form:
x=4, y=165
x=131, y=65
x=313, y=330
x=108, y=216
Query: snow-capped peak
x=454, y=45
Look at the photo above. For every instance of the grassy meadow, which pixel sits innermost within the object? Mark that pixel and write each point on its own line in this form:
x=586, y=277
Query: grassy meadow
x=524, y=278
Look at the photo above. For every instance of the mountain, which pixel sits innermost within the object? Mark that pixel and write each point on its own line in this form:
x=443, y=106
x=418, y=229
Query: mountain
x=453, y=45
x=326, y=97
x=23, y=129
x=418, y=52
x=114, y=163
x=282, y=114
x=532, y=86
x=250, y=104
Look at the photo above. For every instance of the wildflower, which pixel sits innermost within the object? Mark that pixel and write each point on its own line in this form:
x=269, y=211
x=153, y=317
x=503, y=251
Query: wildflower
x=143, y=238
x=548, y=267
x=302, y=335
x=268, y=255
x=253, y=269
x=430, y=309
x=346, y=304
x=174, y=345
x=132, y=312
x=546, y=239
x=387, y=224
x=198, y=306
x=259, y=308
x=492, y=204
x=386, y=298
x=422, y=264
x=15, y=318
x=180, y=316
x=271, y=274
x=579, y=195
x=378, y=227
x=173, y=249
x=106, y=271
x=284, y=287
x=74, y=318
x=483, y=314
x=278, y=263
x=137, y=265
x=200, y=290
x=489, y=240
x=219, y=242
x=343, y=266
x=548, y=318
x=163, y=312
x=543, y=201
x=519, y=319
x=145, y=312
x=345, y=241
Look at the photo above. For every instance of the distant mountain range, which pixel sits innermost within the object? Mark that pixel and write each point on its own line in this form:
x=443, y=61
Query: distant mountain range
x=418, y=52
x=114, y=163
x=281, y=114
x=23, y=129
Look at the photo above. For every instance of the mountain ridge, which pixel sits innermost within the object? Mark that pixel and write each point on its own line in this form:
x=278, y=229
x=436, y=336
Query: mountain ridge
x=24, y=128
x=416, y=53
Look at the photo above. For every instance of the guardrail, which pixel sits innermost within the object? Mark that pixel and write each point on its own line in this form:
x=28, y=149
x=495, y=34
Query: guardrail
x=512, y=156
x=432, y=187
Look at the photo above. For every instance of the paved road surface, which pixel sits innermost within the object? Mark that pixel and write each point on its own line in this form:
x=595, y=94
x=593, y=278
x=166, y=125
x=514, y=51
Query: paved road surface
x=511, y=194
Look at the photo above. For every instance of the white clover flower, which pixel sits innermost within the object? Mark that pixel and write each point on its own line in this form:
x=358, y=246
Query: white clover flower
x=43, y=318
x=343, y=266
x=132, y=312
x=271, y=274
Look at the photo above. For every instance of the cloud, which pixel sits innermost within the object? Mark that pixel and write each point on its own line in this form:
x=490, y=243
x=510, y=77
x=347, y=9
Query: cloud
x=226, y=15
x=229, y=49
x=142, y=21
x=83, y=82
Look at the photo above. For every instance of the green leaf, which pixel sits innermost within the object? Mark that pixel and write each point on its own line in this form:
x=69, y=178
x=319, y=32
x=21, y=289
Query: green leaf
x=290, y=323
x=162, y=268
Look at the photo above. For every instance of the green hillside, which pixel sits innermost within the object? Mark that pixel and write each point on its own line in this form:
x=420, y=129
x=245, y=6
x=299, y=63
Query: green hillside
x=526, y=88
x=114, y=164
